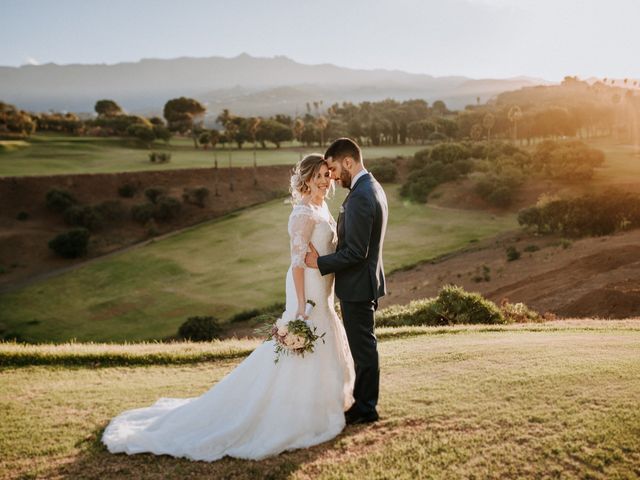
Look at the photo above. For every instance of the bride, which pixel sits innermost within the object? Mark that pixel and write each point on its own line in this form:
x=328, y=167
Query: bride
x=262, y=408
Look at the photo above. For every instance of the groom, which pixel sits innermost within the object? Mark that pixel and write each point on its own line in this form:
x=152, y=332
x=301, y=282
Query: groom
x=357, y=264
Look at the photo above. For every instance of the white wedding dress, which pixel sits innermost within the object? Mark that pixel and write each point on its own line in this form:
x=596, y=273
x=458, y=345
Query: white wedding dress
x=260, y=408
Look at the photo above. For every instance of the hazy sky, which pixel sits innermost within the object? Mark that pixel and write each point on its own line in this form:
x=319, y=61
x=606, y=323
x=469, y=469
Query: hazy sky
x=476, y=38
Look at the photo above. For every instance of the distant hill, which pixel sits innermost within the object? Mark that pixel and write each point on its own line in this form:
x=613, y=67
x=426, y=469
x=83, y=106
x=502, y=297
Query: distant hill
x=571, y=92
x=244, y=84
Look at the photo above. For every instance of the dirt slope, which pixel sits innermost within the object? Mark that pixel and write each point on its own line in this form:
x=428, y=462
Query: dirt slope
x=596, y=277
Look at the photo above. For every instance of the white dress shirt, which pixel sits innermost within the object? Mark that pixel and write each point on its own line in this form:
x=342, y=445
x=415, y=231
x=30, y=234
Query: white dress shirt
x=358, y=175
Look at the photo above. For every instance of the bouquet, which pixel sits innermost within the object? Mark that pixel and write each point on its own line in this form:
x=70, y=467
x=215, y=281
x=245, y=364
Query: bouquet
x=296, y=336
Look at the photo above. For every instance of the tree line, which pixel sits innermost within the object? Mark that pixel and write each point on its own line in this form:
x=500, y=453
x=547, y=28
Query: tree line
x=572, y=109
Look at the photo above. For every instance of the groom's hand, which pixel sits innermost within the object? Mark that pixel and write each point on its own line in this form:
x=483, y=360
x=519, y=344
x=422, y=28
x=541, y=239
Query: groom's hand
x=311, y=259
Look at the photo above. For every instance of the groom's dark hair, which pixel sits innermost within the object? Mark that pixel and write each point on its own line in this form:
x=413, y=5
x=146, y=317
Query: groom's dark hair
x=344, y=147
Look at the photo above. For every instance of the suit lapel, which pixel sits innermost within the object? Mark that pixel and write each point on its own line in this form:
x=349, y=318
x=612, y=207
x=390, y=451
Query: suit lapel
x=340, y=225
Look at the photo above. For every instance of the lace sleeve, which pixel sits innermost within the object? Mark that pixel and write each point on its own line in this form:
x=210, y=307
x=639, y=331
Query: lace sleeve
x=301, y=224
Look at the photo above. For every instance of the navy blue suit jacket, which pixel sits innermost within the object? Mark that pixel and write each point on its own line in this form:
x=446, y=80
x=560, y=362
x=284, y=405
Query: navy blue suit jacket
x=357, y=262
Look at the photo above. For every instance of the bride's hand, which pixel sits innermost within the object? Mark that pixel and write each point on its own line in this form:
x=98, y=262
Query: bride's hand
x=300, y=314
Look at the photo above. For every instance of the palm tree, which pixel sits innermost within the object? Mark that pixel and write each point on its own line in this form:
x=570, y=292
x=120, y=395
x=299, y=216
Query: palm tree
x=488, y=122
x=476, y=132
x=298, y=128
x=217, y=172
x=515, y=114
x=254, y=123
x=321, y=125
x=231, y=130
x=224, y=117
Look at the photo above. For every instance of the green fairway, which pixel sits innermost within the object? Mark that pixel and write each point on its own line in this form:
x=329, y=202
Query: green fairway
x=48, y=154
x=556, y=401
x=217, y=268
x=622, y=163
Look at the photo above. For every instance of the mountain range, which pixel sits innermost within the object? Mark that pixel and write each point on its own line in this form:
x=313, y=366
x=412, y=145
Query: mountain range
x=244, y=84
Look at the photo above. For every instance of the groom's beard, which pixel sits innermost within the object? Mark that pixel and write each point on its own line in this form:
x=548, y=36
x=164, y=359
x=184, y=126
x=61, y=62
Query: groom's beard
x=345, y=179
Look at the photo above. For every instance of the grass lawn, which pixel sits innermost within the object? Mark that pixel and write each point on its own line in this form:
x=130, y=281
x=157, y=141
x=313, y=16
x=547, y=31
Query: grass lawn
x=622, y=163
x=50, y=154
x=556, y=401
x=217, y=268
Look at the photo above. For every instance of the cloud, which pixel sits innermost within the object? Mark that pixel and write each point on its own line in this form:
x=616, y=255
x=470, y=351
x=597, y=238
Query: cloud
x=31, y=61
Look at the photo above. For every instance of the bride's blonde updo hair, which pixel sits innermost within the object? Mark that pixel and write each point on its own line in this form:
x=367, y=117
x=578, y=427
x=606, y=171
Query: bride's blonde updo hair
x=304, y=171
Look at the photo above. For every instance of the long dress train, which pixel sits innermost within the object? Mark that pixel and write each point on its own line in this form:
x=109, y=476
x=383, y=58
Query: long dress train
x=260, y=408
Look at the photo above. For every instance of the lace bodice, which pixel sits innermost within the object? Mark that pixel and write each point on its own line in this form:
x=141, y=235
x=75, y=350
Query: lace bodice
x=310, y=223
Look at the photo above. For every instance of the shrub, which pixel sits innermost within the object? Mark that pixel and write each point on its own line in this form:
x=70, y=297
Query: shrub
x=449, y=152
x=245, y=315
x=518, y=312
x=418, y=188
x=152, y=228
x=153, y=193
x=512, y=254
x=482, y=276
x=272, y=311
x=59, y=200
x=420, y=158
x=196, y=196
x=127, y=190
x=417, y=312
x=71, y=244
x=384, y=172
x=159, y=157
x=436, y=136
x=22, y=216
x=167, y=208
x=144, y=133
x=476, y=149
x=529, y=217
x=111, y=210
x=571, y=161
x=502, y=196
x=431, y=167
x=531, y=248
x=591, y=214
x=463, y=166
x=143, y=212
x=499, y=190
x=200, y=329
x=84, y=216
x=452, y=306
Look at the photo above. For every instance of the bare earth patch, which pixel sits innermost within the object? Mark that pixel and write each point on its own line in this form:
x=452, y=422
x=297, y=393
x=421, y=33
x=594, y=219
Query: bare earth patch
x=598, y=277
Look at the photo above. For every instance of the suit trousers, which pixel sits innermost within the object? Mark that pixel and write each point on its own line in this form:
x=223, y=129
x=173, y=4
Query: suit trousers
x=358, y=320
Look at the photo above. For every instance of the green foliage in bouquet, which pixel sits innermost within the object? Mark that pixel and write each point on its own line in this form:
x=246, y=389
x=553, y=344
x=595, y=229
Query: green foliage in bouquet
x=302, y=337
